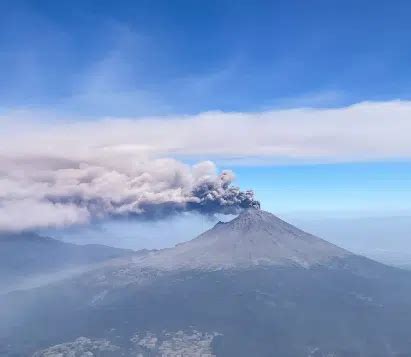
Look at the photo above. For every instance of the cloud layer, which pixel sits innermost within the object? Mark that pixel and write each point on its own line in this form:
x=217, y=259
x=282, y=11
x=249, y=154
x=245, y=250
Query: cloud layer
x=364, y=131
x=58, y=173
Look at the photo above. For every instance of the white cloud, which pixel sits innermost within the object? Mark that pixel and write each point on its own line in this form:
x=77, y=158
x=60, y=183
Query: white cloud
x=365, y=131
x=56, y=173
x=28, y=213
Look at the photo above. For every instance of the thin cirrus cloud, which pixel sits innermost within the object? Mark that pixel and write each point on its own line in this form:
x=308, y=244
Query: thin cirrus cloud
x=60, y=173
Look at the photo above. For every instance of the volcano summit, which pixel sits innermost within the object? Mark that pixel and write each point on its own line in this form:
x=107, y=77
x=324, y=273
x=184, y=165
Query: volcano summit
x=254, y=238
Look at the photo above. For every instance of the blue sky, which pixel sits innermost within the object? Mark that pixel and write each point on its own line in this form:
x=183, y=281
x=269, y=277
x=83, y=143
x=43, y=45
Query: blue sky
x=163, y=57
x=85, y=60
x=332, y=191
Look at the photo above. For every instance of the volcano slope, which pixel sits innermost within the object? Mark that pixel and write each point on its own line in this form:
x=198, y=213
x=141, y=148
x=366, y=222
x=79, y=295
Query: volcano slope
x=255, y=286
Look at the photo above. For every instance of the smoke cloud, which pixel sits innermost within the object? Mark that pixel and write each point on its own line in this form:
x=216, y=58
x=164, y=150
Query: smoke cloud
x=61, y=172
x=54, y=193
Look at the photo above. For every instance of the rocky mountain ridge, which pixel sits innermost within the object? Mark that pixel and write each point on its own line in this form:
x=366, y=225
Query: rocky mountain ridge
x=254, y=238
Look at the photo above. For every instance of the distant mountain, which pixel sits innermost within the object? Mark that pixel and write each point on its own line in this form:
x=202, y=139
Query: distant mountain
x=26, y=255
x=255, y=286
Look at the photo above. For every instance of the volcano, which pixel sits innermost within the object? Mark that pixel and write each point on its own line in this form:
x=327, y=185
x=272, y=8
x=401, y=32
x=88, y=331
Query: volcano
x=254, y=238
x=254, y=286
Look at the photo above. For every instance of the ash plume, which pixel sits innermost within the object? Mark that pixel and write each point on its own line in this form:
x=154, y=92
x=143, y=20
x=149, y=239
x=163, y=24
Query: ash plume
x=53, y=193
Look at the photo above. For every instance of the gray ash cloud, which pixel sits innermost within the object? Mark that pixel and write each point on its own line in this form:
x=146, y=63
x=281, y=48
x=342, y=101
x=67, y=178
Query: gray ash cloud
x=38, y=195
